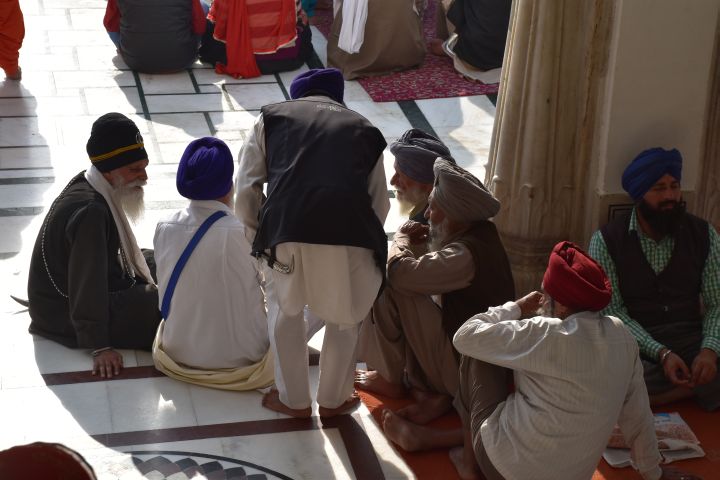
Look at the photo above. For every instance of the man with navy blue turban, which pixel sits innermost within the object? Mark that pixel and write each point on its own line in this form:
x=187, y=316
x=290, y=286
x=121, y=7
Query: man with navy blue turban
x=664, y=265
x=214, y=331
x=318, y=233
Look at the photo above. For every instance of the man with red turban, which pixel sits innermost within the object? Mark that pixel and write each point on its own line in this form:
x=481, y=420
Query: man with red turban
x=576, y=372
x=664, y=265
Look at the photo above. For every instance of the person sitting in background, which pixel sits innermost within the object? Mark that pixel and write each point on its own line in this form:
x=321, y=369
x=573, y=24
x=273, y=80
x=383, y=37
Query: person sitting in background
x=389, y=40
x=664, y=265
x=247, y=38
x=12, y=33
x=576, y=372
x=156, y=37
x=215, y=327
x=475, y=35
x=407, y=338
x=415, y=153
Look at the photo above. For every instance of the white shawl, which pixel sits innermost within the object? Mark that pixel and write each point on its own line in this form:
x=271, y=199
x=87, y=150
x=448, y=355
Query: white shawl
x=134, y=257
x=352, y=31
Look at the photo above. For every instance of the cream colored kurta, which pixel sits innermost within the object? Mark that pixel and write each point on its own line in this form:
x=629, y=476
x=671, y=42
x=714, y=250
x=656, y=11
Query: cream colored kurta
x=338, y=284
x=348, y=272
x=574, y=379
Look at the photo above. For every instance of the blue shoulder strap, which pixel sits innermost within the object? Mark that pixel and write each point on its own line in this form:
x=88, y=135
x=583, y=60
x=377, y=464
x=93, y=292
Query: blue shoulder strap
x=165, y=310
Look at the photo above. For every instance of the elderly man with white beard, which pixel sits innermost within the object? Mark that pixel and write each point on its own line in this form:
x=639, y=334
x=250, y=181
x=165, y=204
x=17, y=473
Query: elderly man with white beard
x=415, y=153
x=431, y=290
x=89, y=284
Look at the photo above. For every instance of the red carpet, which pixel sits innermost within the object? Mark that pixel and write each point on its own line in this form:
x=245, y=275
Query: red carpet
x=435, y=78
x=436, y=464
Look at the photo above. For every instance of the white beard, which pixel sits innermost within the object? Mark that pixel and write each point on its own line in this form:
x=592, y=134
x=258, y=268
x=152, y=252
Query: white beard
x=410, y=199
x=131, y=197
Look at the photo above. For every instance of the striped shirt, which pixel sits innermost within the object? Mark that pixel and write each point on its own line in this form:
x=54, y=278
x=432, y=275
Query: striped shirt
x=574, y=380
x=658, y=255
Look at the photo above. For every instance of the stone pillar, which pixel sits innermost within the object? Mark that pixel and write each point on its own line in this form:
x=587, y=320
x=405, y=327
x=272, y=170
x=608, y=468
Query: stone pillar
x=708, y=194
x=543, y=154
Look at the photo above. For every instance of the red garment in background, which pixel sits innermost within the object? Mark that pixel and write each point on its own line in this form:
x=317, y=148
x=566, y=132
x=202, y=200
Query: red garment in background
x=251, y=26
x=12, y=33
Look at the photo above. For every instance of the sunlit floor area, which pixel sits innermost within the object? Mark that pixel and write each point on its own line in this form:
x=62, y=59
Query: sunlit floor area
x=143, y=424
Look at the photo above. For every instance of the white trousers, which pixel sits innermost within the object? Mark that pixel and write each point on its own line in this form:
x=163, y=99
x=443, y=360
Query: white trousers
x=338, y=284
x=289, y=333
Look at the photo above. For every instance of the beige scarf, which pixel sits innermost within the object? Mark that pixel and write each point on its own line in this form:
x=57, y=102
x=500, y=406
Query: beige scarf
x=135, y=260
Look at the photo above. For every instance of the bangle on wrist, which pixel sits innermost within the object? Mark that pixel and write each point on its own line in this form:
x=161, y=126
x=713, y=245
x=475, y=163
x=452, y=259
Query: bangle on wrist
x=664, y=356
x=97, y=352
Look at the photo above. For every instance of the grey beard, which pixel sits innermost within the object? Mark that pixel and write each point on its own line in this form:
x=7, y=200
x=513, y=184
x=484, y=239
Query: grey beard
x=131, y=199
x=437, y=236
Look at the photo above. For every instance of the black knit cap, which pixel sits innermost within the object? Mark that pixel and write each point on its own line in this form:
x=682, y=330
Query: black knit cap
x=114, y=142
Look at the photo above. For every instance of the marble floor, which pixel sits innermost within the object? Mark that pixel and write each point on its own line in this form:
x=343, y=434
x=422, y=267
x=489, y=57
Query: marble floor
x=142, y=424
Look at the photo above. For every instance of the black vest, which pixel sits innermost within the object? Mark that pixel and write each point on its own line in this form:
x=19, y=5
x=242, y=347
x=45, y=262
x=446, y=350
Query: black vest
x=319, y=156
x=156, y=35
x=493, y=282
x=673, y=295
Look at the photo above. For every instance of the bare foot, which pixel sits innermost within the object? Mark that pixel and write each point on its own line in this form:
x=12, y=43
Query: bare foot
x=272, y=401
x=435, y=46
x=465, y=471
x=427, y=407
x=348, y=404
x=371, y=381
x=403, y=433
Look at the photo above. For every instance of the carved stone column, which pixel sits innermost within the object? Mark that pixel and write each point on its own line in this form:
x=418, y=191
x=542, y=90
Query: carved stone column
x=708, y=192
x=543, y=154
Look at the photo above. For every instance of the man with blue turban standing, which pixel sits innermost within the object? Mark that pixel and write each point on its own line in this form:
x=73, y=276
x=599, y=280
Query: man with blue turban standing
x=214, y=331
x=318, y=234
x=664, y=265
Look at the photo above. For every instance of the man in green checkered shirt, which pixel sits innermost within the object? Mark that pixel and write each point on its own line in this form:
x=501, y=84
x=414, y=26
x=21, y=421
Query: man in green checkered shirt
x=664, y=266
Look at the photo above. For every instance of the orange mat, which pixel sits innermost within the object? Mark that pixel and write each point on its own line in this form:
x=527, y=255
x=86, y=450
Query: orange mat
x=436, y=463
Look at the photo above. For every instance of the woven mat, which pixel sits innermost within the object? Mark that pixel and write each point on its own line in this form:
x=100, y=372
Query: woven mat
x=435, y=78
x=436, y=464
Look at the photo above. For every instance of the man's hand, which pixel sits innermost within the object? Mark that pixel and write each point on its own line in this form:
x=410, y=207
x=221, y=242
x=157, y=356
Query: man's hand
x=704, y=367
x=416, y=231
x=108, y=363
x=670, y=473
x=530, y=304
x=676, y=371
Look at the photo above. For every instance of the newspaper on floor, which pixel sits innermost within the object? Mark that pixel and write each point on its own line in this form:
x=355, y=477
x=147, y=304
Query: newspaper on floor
x=676, y=441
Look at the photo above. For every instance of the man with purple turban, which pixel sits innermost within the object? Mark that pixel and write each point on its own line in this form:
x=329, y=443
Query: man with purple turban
x=214, y=331
x=438, y=277
x=415, y=153
x=576, y=373
x=318, y=233
x=664, y=265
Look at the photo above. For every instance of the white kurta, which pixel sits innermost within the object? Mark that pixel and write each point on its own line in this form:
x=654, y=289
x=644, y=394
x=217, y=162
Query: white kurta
x=217, y=315
x=575, y=379
x=338, y=283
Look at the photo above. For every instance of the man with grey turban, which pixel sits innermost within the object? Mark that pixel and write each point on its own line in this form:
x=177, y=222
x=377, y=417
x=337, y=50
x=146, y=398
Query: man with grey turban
x=415, y=153
x=438, y=276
